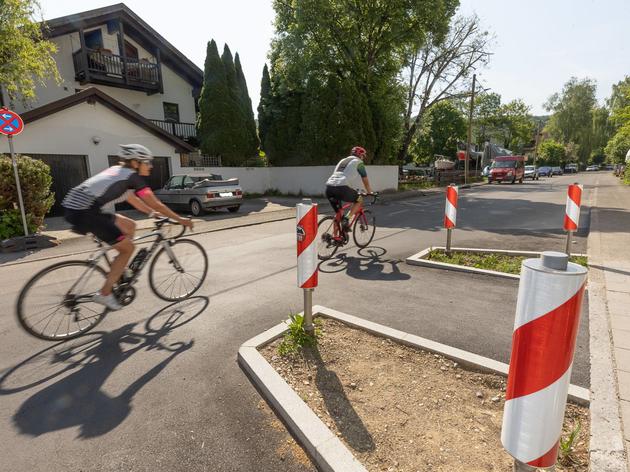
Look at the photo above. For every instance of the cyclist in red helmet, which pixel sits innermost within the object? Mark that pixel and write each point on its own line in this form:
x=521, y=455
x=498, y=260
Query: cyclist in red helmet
x=348, y=176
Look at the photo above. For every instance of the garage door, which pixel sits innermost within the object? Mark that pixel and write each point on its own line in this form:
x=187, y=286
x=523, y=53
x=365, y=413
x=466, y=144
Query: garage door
x=67, y=171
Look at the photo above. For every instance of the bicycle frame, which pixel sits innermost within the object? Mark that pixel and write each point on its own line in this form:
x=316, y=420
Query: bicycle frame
x=101, y=253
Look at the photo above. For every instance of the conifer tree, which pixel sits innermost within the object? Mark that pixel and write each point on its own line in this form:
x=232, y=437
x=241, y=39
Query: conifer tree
x=264, y=108
x=246, y=106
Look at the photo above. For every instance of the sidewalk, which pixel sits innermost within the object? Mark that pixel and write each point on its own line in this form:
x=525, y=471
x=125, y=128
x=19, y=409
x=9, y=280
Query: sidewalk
x=609, y=306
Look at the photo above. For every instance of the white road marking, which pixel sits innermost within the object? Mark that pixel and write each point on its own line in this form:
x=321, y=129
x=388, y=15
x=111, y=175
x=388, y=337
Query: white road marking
x=398, y=212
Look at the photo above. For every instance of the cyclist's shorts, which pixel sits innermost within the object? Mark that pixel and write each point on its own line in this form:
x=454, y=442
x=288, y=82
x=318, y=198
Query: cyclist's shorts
x=102, y=225
x=342, y=193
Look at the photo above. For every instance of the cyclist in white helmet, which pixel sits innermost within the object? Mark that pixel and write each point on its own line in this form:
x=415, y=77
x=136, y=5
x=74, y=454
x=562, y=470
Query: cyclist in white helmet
x=89, y=208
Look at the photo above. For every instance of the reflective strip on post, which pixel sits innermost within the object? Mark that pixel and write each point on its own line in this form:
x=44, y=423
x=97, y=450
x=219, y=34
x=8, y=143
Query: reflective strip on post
x=450, y=212
x=306, y=245
x=572, y=213
x=543, y=344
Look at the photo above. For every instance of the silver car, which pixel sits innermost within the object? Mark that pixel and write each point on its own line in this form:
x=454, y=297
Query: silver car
x=198, y=193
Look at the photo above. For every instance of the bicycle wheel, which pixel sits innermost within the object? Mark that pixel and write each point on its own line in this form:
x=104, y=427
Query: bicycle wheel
x=178, y=278
x=326, y=244
x=364, y=228
x=56, y=303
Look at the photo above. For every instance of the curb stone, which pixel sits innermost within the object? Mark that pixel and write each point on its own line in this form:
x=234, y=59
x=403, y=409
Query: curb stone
x=419, y=260
x=325, y=449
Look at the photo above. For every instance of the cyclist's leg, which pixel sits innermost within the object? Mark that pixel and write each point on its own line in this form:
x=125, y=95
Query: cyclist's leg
x=353, y=196
x=335, y=203
x=114, y=230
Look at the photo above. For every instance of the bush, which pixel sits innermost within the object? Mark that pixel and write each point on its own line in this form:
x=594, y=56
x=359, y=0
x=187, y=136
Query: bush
x=35, y=181
x=626, y=175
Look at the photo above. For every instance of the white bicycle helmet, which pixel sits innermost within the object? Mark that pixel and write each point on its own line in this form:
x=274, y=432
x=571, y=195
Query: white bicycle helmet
x=135, y=151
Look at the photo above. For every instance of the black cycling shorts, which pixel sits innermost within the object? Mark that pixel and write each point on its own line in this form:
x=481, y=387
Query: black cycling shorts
x=102, y=225
x=337, y=195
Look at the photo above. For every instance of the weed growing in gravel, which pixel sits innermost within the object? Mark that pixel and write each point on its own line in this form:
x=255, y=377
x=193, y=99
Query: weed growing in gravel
x=296, y=338
x=566, y=446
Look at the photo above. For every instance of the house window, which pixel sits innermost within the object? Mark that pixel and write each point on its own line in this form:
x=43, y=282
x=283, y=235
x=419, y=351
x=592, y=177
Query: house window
x=93, y=39
x=130, y=50
x=171, y=112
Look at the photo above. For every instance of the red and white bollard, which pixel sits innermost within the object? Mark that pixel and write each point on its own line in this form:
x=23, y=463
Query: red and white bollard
x=450, y=214
x=545, y=331
x=572, y=213
x=307, y=256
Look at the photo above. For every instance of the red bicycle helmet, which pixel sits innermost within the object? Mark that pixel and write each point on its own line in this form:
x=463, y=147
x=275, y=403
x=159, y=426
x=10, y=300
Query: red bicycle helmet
x=358, y=151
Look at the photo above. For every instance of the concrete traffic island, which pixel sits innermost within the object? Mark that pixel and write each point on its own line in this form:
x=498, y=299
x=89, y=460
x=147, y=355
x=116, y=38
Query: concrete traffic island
x=325, y=448
x=422, y=259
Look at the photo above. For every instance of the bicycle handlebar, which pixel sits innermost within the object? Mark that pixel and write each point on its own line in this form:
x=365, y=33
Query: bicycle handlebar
x=163, y=220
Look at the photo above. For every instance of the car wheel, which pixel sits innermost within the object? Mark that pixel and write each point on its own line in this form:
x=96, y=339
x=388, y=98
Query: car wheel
x=195, y=208
x=234, y=209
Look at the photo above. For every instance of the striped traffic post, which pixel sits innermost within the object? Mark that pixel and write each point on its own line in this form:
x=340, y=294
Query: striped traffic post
x=545, y=331
x=572, y=213
x=307, y=256
x=450, y=214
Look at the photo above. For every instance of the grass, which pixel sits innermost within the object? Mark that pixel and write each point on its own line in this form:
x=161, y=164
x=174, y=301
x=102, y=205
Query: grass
x=418, y=185
x=488, y=261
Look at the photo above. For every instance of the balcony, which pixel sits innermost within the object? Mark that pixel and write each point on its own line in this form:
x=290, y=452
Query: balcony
x=183, y=131
x=102, y=67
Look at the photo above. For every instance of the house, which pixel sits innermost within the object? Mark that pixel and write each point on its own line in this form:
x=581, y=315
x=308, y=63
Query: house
x=122, y=82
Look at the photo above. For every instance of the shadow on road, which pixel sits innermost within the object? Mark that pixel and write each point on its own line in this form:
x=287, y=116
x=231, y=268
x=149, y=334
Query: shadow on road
x=370, y=265
x=85, y=364
x=343, y=414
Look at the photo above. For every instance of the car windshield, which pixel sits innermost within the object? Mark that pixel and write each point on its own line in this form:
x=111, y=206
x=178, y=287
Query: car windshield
x=530, y=168
x=200, y=178
x=503, y=164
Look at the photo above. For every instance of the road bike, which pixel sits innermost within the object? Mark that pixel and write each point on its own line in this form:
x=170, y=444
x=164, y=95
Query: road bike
x=331, y=235
x=56, y=303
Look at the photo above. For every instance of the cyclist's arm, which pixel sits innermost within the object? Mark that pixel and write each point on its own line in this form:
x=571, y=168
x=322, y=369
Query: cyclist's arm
x=138, y=204
x=366, y=183
x=148, y=197
x=363, y=173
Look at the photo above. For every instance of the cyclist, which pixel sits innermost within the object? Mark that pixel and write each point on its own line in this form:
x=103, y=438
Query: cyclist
x=89, y=208
x=349, y=175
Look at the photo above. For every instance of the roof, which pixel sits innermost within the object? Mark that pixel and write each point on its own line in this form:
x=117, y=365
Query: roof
x=169, y=54
x=91, y=95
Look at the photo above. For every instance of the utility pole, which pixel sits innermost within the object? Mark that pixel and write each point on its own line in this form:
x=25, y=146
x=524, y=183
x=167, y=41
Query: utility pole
x=470, y=117
x=537, y=143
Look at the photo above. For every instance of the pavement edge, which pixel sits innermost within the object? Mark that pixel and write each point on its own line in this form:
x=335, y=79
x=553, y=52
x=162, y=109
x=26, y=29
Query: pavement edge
x=326, y=450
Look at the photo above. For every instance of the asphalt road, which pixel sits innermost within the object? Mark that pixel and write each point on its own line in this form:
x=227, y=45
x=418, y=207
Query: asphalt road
x=157, y=387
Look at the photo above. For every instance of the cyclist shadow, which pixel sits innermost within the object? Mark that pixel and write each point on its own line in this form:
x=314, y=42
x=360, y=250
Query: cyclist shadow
x=343, y=414
x=369, y=266
x=79, y=399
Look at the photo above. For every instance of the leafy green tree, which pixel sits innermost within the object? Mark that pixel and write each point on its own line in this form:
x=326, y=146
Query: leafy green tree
x=552, y=153
x=618, y=146
x=246, y=107
x=602, y=131
x=444, y=127
x=486, y=117
x=26, y=58
x=321, y=43
x=516, y=126
x=619, y=103
x=571, y=121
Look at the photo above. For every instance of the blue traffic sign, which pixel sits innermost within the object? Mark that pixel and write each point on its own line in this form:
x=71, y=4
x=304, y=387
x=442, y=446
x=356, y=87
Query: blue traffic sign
x=10, y=122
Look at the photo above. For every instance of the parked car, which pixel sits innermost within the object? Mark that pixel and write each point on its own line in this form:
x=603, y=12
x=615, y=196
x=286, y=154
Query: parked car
x=571, y=169
x=486, y=171
x=531, y=172
x=592, y=168
x=610, y=167
x=555, y=170
x=545, y=171
x=507, y=169
x=198, y=193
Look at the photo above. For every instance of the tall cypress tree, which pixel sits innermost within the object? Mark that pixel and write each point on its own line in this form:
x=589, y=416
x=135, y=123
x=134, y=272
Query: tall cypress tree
x=246, y=106
x=264, y=109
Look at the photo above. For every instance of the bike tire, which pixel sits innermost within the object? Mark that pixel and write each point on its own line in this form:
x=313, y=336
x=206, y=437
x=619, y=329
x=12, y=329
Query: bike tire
x=325, y=247
x=364, y=228
x=21, y=307
x=199, y=255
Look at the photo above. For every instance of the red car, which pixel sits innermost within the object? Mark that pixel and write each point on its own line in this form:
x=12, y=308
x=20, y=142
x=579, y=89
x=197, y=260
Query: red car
x=507, y=169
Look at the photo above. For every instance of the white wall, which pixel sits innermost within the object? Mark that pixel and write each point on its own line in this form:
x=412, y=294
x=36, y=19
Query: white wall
x=310, y=180
x=70, y=131
x=176, y=89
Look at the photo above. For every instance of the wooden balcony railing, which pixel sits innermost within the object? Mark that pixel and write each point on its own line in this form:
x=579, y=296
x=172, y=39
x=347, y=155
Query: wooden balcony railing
x=110, y=69
x=181, y=130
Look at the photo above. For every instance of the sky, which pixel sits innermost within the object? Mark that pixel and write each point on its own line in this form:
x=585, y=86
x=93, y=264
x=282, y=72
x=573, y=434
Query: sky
x=539, y=44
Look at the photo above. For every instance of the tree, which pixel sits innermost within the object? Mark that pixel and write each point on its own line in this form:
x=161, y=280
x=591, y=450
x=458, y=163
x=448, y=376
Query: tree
x=486, y=117
x=319, y=45
x=218, y=116
x=439, y=69
x=572, y=120
x=619, y=103
x=26, y=59
x=618, y=146
x=246, y=107
x=443, y=127
x=552, y=153
x=602, y=131
x=264, y=108
x=516, y=127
